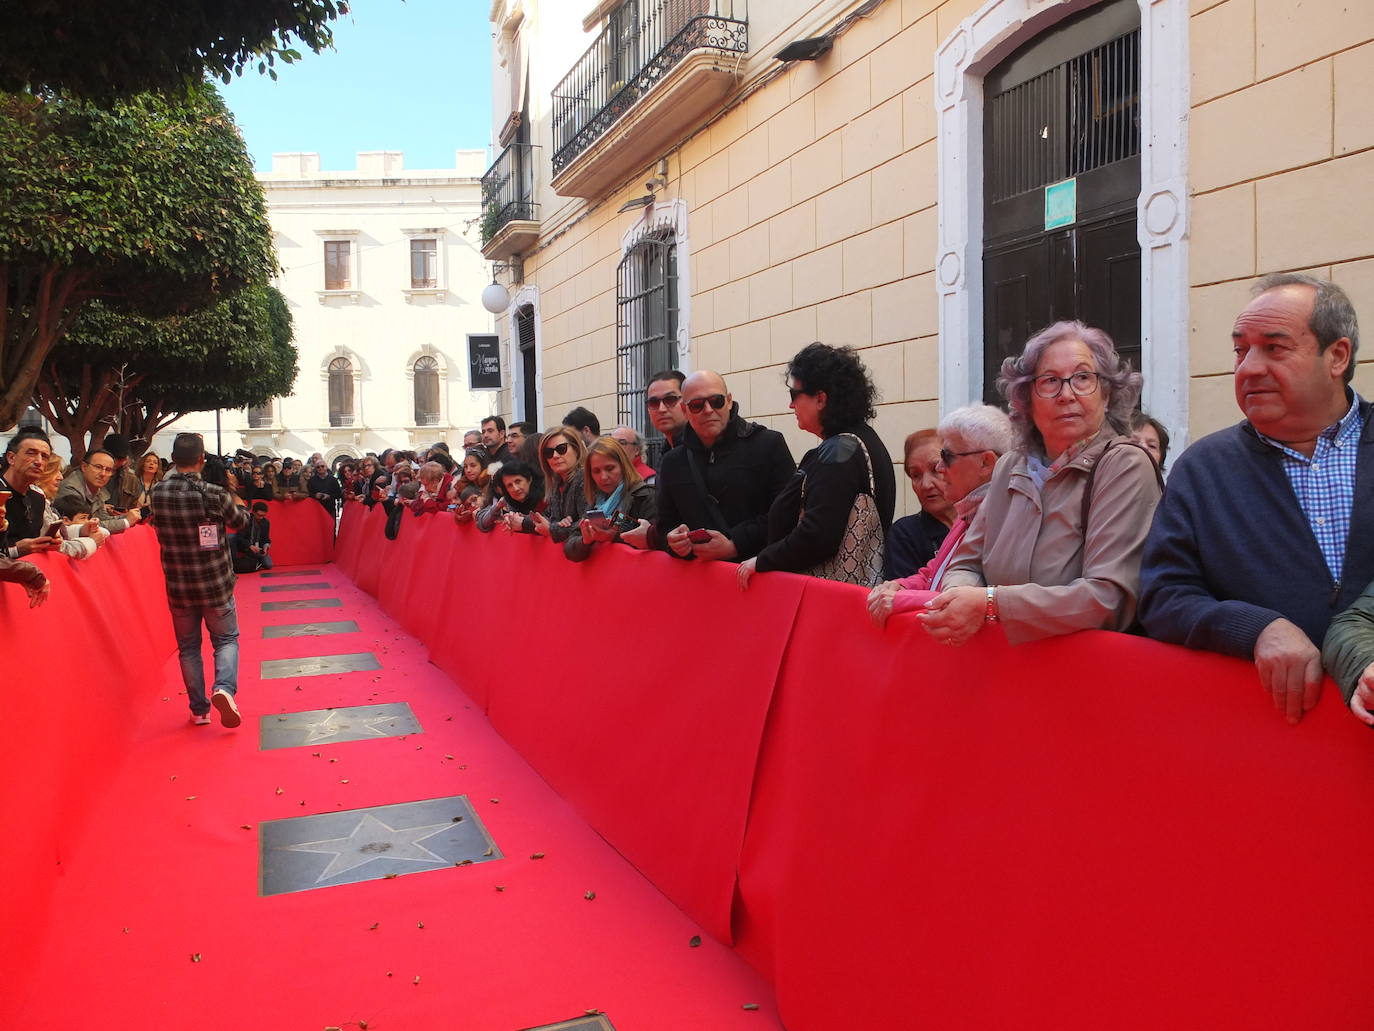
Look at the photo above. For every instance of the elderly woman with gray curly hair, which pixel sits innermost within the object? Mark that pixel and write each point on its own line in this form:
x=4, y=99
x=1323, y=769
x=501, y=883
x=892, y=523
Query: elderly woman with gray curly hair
x=1056, y=545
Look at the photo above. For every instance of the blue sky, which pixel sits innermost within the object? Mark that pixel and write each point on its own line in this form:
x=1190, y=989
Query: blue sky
x=412, y=76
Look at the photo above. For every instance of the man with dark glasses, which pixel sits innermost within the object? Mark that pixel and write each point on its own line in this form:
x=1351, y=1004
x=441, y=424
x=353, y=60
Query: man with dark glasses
x=663, y=399
x=715, y=489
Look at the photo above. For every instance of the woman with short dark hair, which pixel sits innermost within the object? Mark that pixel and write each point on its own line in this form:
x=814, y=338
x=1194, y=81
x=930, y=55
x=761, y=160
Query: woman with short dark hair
x=831, y=517
x=521, y=495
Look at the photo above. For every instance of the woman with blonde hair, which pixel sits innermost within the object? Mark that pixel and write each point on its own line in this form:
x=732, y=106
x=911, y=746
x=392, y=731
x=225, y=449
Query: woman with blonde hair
x=618, y=499
x=52, y=476
x=561, y=453
x=148, y=474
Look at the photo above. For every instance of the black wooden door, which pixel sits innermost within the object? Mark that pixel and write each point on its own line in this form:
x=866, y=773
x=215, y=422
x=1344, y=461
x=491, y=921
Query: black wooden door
x=1064, y=107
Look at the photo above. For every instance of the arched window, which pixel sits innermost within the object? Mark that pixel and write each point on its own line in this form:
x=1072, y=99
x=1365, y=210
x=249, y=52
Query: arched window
x=341, y=392
x=426, y=391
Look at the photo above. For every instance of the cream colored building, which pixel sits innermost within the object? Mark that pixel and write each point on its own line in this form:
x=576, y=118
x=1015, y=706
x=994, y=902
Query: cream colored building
x=888, y=189
x=383, y=275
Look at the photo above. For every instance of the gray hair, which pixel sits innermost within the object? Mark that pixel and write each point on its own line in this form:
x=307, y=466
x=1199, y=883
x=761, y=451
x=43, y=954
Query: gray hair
x=980, y=426
x=636, y=438
x=1333, y=316
x=1114, y=373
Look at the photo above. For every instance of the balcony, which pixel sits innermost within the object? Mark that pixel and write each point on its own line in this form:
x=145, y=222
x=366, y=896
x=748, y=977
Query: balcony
x=657, y=69
x=510, y=219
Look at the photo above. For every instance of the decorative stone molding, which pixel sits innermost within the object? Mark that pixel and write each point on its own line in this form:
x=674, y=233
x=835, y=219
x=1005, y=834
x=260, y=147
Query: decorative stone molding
x=977, y=45
x=671, y=215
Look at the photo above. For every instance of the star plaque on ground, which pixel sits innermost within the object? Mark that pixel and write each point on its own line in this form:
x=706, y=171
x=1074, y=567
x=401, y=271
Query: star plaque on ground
x=369, y=844
x=331, y=726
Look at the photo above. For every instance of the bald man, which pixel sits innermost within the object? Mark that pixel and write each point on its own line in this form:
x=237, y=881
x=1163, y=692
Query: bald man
x=722, y=479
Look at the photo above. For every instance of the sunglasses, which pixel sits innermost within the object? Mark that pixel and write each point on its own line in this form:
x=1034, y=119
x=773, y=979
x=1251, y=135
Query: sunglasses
x=697, y=404
x=557, y=449
x=666, y=401
x=797, y=392
x=947, y=456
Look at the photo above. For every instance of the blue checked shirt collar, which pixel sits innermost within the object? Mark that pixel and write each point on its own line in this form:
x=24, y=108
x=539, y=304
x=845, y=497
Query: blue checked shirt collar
x=1324, y=483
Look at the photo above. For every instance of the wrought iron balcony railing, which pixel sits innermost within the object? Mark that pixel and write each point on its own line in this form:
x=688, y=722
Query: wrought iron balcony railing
x=508, y=190
x=642, y=42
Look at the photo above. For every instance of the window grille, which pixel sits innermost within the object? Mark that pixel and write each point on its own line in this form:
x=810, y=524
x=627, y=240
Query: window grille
x=341, y=392
x=646, y=328
x=426, y=391
x=424, y=264
x=1076, y=117
x=336, y=265
x=524, y=334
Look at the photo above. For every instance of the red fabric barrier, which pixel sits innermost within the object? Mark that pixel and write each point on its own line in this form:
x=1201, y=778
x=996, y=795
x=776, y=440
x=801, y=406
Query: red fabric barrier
x=72, y=669
x=653, y=744
x=1094, y=831
x=1090, y=831
x=302, y=533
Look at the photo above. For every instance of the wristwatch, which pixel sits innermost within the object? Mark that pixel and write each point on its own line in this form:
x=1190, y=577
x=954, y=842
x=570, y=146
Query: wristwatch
x=990, y=616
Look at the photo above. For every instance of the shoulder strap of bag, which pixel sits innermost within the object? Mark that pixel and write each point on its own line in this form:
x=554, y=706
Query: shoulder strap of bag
x=1092, y=474
x=713, y=511
x=868, y=464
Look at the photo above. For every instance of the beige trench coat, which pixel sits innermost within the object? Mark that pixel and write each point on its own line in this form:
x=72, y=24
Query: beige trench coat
x=1052, y=575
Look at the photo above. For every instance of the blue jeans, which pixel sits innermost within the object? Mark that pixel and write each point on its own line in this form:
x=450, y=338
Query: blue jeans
x=223, y=625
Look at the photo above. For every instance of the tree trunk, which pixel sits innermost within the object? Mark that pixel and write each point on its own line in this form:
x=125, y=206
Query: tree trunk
x=37, y=306
x=74, y=415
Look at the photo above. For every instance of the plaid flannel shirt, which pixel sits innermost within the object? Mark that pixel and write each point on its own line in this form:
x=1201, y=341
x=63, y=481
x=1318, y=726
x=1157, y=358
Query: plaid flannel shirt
x=195, y=578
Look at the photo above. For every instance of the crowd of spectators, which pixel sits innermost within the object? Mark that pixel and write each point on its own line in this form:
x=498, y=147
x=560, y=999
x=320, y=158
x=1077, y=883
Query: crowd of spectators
x=1046, y=518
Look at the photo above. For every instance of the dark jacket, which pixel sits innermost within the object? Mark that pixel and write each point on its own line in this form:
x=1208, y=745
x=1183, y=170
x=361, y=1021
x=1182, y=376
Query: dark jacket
x=1230, y=549
x=641, y=502
x=327, y=485
x=565, y=500
x=743, y=472
x=74, y=497
x=912, y=541
x=1349, y=646
x=24, y=511
x=257, y=533
x=831, y=476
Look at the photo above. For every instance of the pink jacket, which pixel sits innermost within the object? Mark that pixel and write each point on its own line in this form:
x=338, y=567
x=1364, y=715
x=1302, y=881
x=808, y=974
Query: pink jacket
x=924, y=584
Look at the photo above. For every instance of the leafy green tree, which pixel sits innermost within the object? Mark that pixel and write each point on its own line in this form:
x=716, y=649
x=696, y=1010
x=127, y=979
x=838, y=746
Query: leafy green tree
x=148, y=204
x=139, y=375
x=98, y=48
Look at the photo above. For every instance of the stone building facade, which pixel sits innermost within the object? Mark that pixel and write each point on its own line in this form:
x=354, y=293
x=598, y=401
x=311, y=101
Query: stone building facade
x=383, y=274
x=887, y=188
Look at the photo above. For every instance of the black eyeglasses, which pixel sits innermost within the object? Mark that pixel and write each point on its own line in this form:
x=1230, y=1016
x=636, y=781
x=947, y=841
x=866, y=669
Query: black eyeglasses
x=666, y=401
x=947, y=456
x=695, y=406
x=797, y=392
x=1081, y=383
x=557, y=449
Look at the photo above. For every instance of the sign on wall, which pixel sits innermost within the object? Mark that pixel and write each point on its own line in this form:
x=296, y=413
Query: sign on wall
x=1061, y=204
x=484, y=361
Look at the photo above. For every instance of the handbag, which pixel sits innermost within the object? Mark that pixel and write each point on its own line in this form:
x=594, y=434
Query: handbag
x=859, y=558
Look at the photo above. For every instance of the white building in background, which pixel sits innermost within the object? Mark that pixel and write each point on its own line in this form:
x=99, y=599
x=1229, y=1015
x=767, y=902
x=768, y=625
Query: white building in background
x=383, y=274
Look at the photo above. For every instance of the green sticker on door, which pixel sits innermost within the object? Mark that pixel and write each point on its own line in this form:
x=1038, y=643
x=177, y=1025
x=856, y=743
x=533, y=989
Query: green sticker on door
x=1061, y=204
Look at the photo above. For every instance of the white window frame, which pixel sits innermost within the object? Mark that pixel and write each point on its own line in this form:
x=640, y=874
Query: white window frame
x=515, y=368
x=355, y=268
x=671, y=215
x=428, y=351
x=962, y=60
x=440, y=289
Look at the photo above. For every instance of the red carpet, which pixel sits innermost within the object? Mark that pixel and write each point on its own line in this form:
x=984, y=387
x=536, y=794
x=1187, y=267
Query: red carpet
x=163, y=871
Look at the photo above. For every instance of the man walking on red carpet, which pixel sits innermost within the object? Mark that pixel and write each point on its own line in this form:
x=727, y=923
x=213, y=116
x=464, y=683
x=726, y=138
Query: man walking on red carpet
x=191, y=518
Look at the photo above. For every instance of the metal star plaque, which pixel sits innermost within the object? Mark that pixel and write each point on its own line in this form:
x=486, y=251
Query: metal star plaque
x=321, y=586
x=343, y=626
x=317, y=665
x=302, y=603
x=331, y=726
x=369, y=844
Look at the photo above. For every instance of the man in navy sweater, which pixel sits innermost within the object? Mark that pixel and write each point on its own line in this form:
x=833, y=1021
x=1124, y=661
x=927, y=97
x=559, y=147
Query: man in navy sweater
x=1258, y=541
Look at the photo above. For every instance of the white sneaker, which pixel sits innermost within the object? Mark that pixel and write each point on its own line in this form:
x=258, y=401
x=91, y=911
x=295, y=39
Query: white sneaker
x=228, y=710
x=200, y=719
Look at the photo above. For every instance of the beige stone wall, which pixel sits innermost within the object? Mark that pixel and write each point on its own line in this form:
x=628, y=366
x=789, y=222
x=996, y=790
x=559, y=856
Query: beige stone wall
x=1282, y=162
x=811, y=217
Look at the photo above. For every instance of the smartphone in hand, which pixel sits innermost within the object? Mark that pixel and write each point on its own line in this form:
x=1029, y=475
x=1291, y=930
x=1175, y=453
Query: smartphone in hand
x=699, y=536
